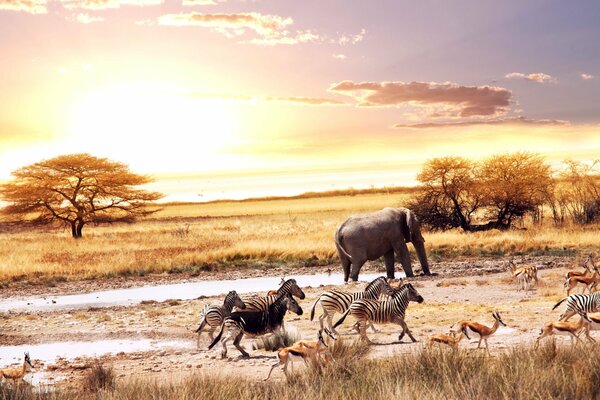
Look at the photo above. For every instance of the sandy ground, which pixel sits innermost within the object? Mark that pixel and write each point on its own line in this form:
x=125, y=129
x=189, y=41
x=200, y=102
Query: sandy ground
x=471, y=289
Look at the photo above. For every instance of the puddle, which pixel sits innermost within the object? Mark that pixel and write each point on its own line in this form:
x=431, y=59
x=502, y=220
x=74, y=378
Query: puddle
x=49, y=352
x=505, y=330
x=182, y=291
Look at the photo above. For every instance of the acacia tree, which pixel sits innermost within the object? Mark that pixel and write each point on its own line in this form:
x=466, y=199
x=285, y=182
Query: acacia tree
x=449, y=195
x=514, y=185
x=75, y=190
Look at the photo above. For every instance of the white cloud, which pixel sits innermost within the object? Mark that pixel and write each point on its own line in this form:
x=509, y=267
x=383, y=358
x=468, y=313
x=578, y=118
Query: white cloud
x=587, y=77
x=538, y=77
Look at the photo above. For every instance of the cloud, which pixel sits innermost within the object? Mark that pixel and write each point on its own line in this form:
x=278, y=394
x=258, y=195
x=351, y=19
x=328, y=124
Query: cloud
x=29, y=6
x=88, y=19
x=300, y=100
x=448, y=99
x=232, y=25
x=538, y=77
x=298, y=37
x=199, y=2
x=587, y=77
x=107, y=4
x=339, y=56
x=352, y=39
x=496, y=121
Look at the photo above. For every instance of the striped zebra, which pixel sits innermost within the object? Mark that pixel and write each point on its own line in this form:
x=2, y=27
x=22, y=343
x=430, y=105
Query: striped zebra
x=213, y=316
x=256, y=303
x=384, y=312
x=334, y=301
x=579, y=304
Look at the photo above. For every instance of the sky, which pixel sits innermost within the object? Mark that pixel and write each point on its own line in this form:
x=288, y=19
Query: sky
x=234, y=98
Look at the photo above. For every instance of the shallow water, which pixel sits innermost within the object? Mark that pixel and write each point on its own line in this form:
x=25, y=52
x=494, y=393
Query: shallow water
x=49, y=352
x=182, y=291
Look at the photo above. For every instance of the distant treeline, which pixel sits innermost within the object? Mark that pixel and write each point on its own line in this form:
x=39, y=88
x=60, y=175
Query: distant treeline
x=312, y=195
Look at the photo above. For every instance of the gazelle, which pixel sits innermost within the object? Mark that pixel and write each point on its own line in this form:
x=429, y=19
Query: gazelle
x=588, y=282
x=451, y=340
x=17, y=373
x=305, y=350
x=523, y=275
x=592, y=325
x=561, y=328
x=588, y=266
x=480, y=330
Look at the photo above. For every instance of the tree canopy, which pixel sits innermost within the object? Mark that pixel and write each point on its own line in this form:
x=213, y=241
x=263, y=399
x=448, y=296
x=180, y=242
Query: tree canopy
x=499, y=190
x=75, y=190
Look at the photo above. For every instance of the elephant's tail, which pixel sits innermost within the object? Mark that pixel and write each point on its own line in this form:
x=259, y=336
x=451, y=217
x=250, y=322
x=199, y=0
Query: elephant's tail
x=338, y=242
x=341, y=320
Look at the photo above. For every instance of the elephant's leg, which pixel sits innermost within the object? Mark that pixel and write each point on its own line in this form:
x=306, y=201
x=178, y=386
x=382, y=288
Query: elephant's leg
x=357, y=264
x=420, y=249
x=389, y=263
x=402, y=253
x=345, y=266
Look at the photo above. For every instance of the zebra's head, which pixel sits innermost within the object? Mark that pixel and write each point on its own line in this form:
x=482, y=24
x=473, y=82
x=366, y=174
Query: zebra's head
x=290, y=286
x=291, y=304
x=378, y=286
x=411, y=292
x=498, y=318
x=237, y=300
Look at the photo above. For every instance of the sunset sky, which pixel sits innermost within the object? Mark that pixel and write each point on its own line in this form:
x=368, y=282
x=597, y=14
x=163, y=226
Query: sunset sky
x=232, y=98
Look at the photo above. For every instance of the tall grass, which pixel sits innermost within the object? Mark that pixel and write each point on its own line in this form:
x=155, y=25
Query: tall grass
x=520, y=373
x=207, y=237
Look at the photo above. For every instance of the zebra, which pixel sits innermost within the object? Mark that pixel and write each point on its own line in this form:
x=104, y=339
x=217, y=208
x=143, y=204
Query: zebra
x=334, y=301
x=213, y=316
x=256, y=303
x=255, y=323
x=579, y=304
x=382, y=312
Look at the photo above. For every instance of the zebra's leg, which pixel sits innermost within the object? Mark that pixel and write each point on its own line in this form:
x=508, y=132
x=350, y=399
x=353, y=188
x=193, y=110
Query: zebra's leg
x=224, y=344
x=199, y=330
x=322, y=317
x=330, y=323
x=405, y=330
x=211, y=333
x=363, y=332
x=236, y=343
x=375, y=330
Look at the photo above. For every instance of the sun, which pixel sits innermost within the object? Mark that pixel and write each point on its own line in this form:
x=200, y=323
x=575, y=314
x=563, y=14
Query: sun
x=164, y=126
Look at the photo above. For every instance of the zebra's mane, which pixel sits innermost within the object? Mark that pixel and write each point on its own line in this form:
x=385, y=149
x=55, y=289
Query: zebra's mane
x=375, y=282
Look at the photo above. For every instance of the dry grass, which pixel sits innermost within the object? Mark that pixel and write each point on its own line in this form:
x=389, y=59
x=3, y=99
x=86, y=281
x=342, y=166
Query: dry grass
x=207, y=237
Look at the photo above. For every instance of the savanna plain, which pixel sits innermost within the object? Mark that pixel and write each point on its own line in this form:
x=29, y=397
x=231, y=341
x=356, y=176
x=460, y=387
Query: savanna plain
x=287, y=237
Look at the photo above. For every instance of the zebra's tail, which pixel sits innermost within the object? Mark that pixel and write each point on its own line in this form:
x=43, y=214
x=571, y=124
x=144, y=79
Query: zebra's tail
x=202, y=324
x=341, y=320
x=559, y=303
x=312, y=310
x=216, y=340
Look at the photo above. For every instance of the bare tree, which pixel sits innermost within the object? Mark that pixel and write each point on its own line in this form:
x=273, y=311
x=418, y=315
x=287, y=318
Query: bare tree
x=75, y=190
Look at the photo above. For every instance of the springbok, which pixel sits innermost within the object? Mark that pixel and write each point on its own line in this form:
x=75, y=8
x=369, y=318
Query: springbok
x=588, y=266
x=561, y=328
x=484, y=332
x=17, y=374
x=451, y=340
x=588, y=282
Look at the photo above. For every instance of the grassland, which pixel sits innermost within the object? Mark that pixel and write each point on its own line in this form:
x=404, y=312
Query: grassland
x=205, y=237
x=520, y=373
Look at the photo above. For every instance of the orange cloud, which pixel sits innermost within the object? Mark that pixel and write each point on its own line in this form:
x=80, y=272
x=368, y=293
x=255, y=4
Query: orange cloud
x=497, y=121
x=451, y=98
x=30, y=6
x=231, y=25
x=88, y=19
x=538, y=77
x=107, y=4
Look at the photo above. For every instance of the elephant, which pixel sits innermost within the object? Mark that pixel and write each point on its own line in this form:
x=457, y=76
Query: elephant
x=381, y=233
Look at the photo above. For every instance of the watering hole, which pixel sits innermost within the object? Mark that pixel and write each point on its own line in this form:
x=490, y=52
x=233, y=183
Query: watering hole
x=181, y=291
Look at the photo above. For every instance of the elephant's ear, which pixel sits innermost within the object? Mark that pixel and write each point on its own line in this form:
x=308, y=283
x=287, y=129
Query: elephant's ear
x=414, y=227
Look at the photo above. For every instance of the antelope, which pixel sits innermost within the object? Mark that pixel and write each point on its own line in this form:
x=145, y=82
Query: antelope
x=307, y=351
x=588, y=265
x=17, y=373
x=589, y=282
x=560, y=328
x=480, y=330
x=276, y=291
x=523, y=275
x=451, y=340
x=593, y=324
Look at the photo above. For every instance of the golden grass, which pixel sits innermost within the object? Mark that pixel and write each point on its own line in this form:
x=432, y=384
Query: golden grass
x=259, y=233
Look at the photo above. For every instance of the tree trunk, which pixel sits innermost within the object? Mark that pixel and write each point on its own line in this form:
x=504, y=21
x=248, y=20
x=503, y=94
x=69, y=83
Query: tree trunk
x=73, y=230
x=79, y=228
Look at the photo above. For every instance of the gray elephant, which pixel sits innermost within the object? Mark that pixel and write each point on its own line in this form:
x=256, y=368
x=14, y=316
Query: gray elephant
x=382, y=233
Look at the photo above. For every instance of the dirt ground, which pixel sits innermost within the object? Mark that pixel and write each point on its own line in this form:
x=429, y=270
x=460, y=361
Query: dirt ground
x=469, y=289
